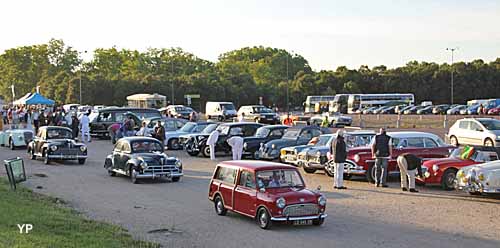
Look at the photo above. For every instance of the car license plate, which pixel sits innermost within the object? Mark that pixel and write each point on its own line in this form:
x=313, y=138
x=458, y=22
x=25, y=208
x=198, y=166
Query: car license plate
x=71, y=156
x=302, y=222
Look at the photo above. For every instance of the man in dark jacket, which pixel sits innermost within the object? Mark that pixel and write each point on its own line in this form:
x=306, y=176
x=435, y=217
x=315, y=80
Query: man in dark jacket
x=159, y=132
x=381, y=152
x=338, y=153
x=409, y=164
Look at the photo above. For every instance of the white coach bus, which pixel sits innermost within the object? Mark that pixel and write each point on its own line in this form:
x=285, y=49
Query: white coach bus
x=317, y=104
x=356, y=102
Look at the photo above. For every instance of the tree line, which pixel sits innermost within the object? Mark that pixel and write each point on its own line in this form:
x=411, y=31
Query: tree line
x=240, y=76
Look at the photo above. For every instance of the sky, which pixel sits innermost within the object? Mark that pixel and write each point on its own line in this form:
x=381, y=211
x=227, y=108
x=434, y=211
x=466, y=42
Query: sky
x=328, y=33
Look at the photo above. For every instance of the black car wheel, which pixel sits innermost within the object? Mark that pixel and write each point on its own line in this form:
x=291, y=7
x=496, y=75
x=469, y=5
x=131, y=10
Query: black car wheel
x=173, y=144
x=32, y=154
x=206, y=151
x=448, y=179
x=11, y=145
x=219, y=206
x=329, y=170
x=309, y=170
x=81, y=161
x=176, y=179
x=133, y=176
x=370, y=174
x=264, y=219
x=46, y=159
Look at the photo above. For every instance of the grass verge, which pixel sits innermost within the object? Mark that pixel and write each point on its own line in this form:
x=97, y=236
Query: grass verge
x=54, y=225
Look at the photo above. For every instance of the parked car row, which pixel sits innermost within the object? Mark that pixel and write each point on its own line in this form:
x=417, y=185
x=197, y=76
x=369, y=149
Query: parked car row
x=454, y=109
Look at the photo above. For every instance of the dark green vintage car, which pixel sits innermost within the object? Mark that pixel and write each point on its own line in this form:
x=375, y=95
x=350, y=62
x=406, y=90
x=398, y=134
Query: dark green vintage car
x=142, y=157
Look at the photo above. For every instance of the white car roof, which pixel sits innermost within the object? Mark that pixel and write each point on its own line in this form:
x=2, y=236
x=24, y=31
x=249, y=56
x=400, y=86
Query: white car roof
x=412, y=134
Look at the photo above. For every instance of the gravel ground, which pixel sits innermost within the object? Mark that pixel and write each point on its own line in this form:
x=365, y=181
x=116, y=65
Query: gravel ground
x=362, y=216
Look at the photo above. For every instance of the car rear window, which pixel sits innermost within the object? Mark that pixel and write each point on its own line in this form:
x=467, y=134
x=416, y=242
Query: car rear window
x=226, y=174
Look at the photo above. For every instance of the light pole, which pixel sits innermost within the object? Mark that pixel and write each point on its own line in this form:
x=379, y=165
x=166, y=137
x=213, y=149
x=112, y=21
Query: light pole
x=287, y=85
x=173, y=95
x=81, y=67
x=452, y=69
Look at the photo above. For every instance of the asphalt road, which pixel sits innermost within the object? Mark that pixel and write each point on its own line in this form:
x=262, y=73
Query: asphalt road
x=362, y=216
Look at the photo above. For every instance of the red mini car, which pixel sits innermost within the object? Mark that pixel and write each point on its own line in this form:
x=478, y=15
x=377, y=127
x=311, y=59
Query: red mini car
x=443, y=171
x=266, y=191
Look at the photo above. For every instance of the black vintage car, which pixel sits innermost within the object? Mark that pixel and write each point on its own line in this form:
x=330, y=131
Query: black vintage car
x=226, y=131
x=142, y=157
x=263, y=135
x=190, y=141
x=56, y=143
x=102, y=120
x=293, y=137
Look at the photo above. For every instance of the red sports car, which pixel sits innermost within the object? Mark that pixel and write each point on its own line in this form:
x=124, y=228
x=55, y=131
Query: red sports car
x=494, y=111
x=443, y=171
x=425, y=145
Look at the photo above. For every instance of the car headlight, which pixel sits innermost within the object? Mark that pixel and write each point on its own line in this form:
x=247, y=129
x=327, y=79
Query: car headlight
x=273, y=146
x=481, y=177
x=280, y=202
x=322, y=200
x=144, y=164
x=435, y=168
x=357, y=158
x=83, y=148
x=178, y=163
x=53, y=148
x=318, y=153
x=245, y=145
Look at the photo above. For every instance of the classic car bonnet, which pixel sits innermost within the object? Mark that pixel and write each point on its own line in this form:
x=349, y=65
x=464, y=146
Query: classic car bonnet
x=293, y=195
x=155, y=158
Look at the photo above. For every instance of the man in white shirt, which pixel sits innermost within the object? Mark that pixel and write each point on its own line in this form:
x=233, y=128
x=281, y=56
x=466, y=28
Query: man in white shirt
x=236, y=143
x=211, y=141
x=85, y=127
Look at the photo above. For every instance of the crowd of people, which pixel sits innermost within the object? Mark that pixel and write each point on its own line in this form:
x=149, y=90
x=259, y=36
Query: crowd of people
x=34, y=117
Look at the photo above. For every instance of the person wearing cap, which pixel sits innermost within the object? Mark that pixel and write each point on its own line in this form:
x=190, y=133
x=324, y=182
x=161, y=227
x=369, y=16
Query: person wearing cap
x=381, y=152
x=338, y=153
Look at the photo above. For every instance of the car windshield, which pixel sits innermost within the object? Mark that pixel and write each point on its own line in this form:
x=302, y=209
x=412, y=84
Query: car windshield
x=146, y=146
x=323, y=140
x=210, y=128
x=291, y=134
x=358, y=140
x=147, y=114
x=262, y=132
x=223, y=129
x=279, y=179
x=262, y=110
x=227, y=106
x=188, y=127
x=59, y=134
x=491, y=124
x=181, y=109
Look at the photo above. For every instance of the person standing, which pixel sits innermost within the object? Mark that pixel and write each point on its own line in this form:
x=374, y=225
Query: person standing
x=36, y=119
x=409, y=165
x=143, y=130
x=241, y=117
x=74, y=126
x=85, y=127
x=211, y=141
x=159, y=132
x=382, y=152
x=236, y=143
x=325, y=122
x=193, y=117
x=338, y=152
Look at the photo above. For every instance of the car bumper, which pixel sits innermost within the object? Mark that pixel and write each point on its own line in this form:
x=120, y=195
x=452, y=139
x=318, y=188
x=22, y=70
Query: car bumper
x=160, y=174
x=314, y=217
x=66, y=157
x=354, y=169
x=289, y=159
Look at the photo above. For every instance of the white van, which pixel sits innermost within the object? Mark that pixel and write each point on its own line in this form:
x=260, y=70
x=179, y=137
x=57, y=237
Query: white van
x=220, y=110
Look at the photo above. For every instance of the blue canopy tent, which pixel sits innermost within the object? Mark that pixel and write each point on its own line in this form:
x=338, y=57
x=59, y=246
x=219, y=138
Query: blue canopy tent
x=34, y=99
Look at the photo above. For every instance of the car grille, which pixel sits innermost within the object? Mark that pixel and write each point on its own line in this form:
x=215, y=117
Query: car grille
x=161, y=169
x=301, y=210
x=67, y=151
x=28, y=136
x=302, y=156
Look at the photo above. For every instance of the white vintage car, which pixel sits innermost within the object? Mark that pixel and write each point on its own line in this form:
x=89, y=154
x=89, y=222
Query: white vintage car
x=14, y=138
x=480, y=178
